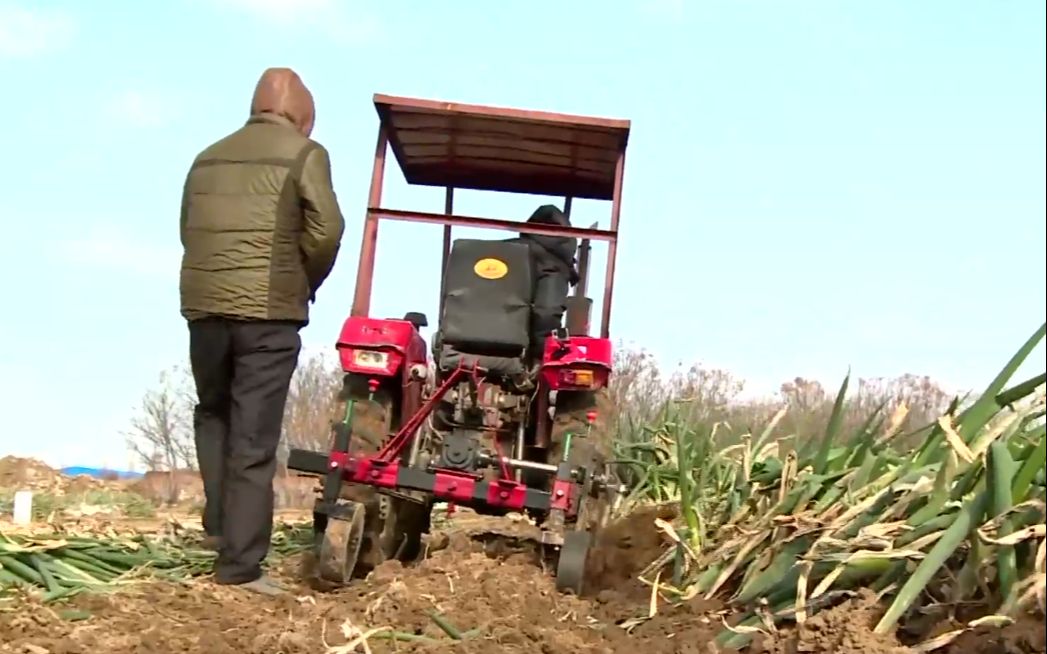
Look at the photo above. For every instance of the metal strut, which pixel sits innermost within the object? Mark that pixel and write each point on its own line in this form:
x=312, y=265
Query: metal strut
x=395, y=445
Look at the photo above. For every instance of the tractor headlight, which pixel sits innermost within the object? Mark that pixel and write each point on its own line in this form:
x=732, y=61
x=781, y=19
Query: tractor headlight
x=370, y=359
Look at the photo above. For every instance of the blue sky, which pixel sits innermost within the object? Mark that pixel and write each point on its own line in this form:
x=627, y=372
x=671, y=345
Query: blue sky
x=811, y=185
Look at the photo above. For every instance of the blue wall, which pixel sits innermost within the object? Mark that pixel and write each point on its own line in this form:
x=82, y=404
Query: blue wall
x=99, y=473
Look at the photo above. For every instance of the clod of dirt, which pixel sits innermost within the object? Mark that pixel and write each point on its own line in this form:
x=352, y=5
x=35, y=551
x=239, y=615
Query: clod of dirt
x=624, y=548
x=845, y=629
x=1026, y=636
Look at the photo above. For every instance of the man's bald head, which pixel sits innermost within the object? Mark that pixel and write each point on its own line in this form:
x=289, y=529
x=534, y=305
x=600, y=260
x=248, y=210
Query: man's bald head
x=281, y=91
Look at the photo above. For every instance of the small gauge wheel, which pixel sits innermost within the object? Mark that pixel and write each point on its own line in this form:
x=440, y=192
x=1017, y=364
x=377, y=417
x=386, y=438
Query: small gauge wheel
x=338, y=548
x=570, y=569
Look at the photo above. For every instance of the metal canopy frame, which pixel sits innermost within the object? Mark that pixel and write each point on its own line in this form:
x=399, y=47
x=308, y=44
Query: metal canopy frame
x=498, y=149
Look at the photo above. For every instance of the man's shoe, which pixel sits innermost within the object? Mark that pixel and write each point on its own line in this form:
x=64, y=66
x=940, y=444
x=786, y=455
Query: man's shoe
x=265, y=586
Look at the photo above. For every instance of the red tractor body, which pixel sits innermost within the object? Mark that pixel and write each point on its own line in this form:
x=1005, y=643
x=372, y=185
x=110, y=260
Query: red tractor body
x=497, y=419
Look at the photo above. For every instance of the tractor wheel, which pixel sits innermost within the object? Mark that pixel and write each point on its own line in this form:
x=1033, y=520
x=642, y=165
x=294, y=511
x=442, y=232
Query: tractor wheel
x=405, y=523
x=372, y=416
x=570, y=568
x=589, y=447
x=372, y=419
x=393, y=526
x=338, y=546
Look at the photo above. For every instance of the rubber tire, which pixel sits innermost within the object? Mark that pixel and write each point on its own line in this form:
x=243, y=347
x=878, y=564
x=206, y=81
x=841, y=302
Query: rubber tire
x=404, y=526
x=592, y=451
x=372, y=421
x=401, y=530
x=338, y=548
x=570, y=568
x=571, y=417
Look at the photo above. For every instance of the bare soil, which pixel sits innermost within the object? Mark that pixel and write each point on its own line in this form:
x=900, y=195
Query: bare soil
x=481, y=577
x=844, y=629
x=848, y=629
x=1027, y=636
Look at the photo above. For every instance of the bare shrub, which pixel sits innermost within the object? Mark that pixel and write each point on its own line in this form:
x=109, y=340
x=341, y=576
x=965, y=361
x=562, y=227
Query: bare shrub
x=641, y=391
x=637, y=391
x=161, y=433
x=311, y=403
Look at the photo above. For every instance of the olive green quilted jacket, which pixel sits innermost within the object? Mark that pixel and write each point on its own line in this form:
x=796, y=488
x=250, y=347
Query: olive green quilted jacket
x=260, y=224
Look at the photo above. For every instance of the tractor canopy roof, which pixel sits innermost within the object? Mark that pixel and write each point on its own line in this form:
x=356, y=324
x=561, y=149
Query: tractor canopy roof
x=498, y=149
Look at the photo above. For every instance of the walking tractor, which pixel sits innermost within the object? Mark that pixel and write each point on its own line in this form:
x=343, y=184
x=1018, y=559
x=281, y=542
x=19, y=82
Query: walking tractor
x=502, y=413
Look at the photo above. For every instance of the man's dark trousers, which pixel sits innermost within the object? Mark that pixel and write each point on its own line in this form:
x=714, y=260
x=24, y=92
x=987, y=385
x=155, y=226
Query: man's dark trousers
x=242, y=371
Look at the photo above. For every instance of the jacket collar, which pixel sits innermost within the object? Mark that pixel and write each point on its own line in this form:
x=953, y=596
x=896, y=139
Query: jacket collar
x=272, y=119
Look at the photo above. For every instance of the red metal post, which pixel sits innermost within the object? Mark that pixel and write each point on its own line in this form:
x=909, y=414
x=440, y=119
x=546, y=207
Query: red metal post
x=612, y=247
x=446, y=254
x=369, y=242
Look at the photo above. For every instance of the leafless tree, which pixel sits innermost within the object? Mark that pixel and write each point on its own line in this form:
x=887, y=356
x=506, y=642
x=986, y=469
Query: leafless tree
x=311, y=404
x=639, y=388
x=161, y=434
x=638, y=391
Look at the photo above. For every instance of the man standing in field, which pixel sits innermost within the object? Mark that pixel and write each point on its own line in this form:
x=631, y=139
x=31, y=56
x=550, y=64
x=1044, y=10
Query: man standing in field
x=260, y=228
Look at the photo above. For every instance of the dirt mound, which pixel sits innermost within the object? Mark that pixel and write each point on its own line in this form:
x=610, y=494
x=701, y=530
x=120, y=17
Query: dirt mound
x=170, y=487
x=185, y=488
x=28, y=474
x=625, y=548
x=845, y=629
x=67, y=498
x=1027, y=636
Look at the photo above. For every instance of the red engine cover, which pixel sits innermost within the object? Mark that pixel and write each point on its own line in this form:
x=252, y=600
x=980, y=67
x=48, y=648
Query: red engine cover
x=378, y=346
x=576, y=363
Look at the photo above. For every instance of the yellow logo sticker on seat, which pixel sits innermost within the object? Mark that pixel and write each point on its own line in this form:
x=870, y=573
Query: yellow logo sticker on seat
x=491, y=269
